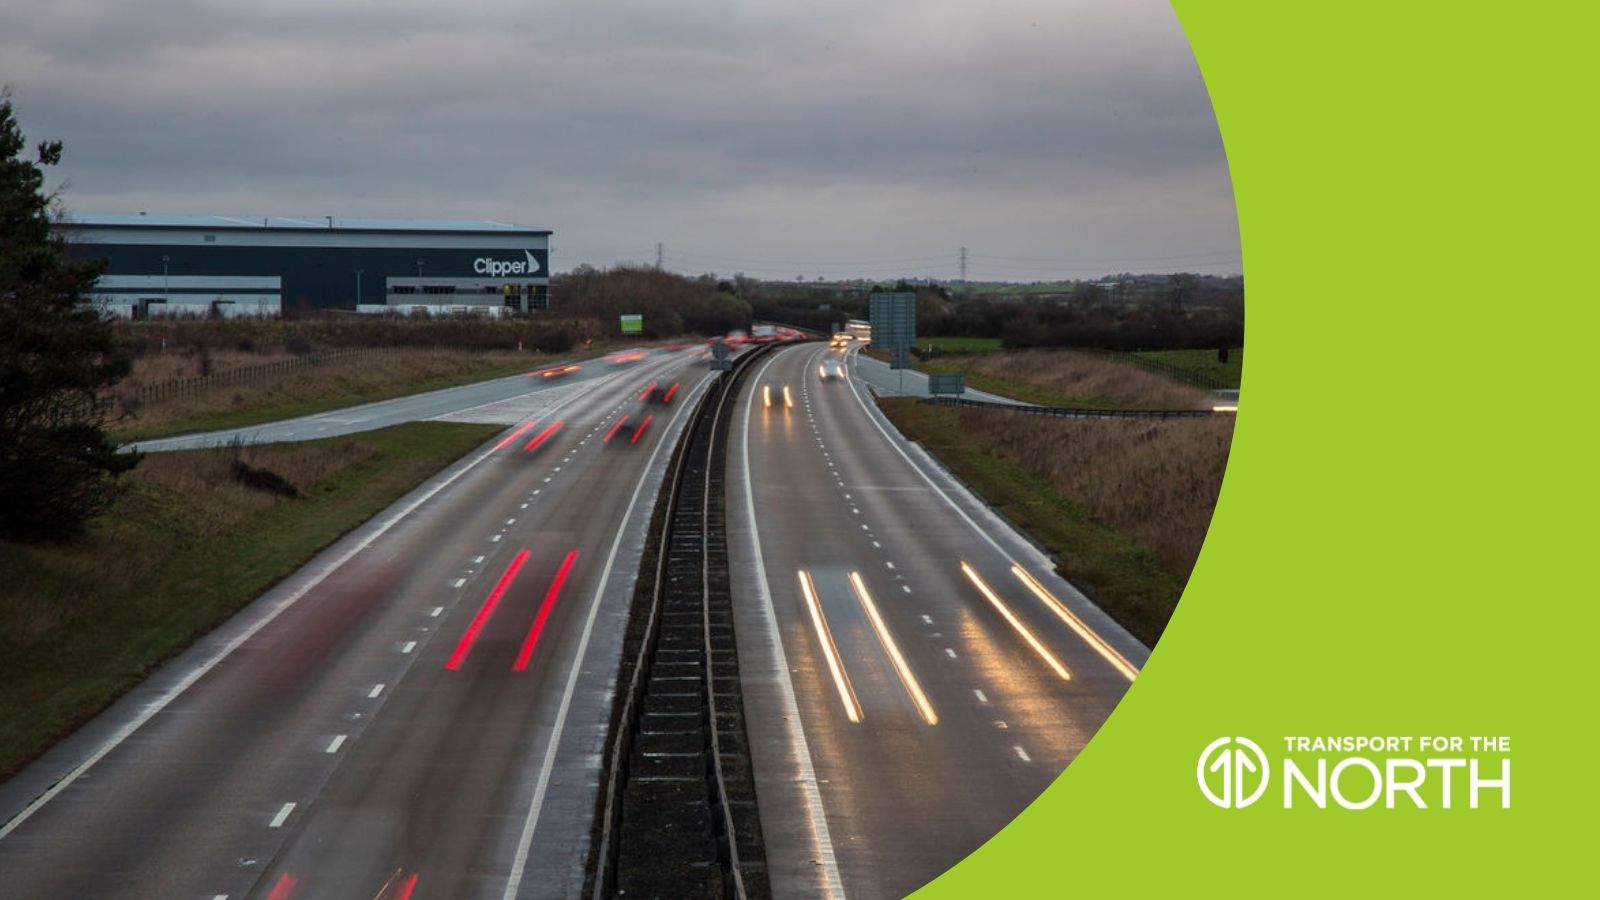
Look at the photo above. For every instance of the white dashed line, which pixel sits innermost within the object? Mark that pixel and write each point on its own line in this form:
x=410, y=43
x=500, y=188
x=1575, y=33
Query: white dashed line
x=282, y=816
x=410, y=646
x=477, y=559
x=1023, y=755
x=495, y=538
x=864, y=528
x=889, y=564
x=376, y=690
x=950, y=652
x=524, y=506
x=907, y=589
x=927, y=620
x=980, y=695
x=877, y=545
x=436, y=611
x=335, y=744
x=460, y=582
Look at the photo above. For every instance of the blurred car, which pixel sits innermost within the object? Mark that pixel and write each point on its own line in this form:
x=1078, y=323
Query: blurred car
x=830, y=369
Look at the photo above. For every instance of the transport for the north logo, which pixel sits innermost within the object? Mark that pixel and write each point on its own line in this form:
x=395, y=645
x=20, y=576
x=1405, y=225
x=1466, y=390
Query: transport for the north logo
x=1360, y=772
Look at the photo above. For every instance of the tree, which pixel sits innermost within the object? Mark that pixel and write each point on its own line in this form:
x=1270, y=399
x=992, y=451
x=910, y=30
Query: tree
x=58, y=468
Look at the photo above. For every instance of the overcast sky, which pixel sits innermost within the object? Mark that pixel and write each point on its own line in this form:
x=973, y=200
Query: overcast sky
x=774, y=137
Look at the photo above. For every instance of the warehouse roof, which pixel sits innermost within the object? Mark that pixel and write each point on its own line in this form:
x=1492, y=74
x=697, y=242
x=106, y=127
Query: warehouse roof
x=285, y=223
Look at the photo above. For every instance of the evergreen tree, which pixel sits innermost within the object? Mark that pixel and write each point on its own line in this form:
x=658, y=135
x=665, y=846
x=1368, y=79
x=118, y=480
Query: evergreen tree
x=58, y=468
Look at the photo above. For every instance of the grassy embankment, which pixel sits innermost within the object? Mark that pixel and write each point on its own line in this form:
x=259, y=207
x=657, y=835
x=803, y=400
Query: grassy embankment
x=299, y=392
x=1067, y=378
x=1123, y=505
x=188, y=544
x=1203, y=362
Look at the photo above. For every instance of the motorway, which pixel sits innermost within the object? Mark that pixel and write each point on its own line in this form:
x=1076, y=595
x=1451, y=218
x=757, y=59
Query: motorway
x=914, y=672
x=419, y=710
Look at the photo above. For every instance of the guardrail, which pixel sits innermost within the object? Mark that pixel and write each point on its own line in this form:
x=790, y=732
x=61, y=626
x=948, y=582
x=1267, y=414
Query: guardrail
x=1069, y=412
x=689, y=599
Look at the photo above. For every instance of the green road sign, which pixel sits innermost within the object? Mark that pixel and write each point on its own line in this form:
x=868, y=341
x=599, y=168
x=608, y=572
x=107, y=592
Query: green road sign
x=632, y=324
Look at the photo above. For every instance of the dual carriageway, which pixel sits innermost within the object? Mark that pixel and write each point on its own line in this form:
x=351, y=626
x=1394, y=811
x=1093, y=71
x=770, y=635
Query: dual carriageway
x=422, y=710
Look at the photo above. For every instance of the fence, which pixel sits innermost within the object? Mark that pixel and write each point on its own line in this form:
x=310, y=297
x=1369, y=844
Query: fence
x=185, y=387
x=1068, y=412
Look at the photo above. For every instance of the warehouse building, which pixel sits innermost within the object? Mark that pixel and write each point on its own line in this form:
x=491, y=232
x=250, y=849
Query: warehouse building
x=226, y=266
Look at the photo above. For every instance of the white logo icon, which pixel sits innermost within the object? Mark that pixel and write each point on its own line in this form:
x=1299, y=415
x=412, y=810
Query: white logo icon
x=1240, y=765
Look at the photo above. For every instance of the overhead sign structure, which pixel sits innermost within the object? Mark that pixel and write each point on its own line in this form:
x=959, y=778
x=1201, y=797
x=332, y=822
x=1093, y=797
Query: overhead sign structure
x=633, y=324
x=947, y=383
x=719, y=350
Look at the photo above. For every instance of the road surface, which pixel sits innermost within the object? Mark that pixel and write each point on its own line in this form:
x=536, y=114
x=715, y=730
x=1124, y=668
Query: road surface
x=421, y=709
x=898, y=716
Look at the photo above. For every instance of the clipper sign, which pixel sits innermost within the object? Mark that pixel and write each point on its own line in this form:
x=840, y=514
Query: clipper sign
x=1359, y=772
x=499, y=268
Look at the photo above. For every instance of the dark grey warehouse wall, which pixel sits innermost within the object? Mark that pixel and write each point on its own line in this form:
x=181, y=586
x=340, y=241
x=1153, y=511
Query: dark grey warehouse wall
x=313, y=277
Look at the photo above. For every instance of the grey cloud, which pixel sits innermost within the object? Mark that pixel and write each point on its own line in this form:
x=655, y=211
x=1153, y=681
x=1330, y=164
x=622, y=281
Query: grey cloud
x=701, y=124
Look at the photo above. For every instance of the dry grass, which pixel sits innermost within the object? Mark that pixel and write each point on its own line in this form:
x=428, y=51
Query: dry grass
x=388, y=373
x=172, y=500
x=180, y=551
x=1075, y=379
x=1153, y=480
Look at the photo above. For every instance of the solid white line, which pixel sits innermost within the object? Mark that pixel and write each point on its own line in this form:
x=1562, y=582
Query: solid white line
x=834, y=884
x=283, y=814
x=410, y=646
x=525, y=843
x=155, y=707
x=376, y=690
x=949, y=500
x=335, y=744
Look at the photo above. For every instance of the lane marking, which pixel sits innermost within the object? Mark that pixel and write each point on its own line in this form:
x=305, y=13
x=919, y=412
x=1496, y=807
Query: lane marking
x=336, y=743
x=1016, y=623
x=907, y=589
x=886, y=562
x=514, y=521
x=436, y=611
x=927, y=620
x=410, y=646
x=460, y=582
x=478, y=560
x=160, y=703
x=950, y=652
x=950, y=501
x=830, y=651
x=376, y=690
x=833, y=883
x=489, y=603
x=532, y=640
x=530, y=823
x=495, y=538
x=901, y=668
x=279, y=819
x=1023, y=754
x=1109, y=653
x=982, y=698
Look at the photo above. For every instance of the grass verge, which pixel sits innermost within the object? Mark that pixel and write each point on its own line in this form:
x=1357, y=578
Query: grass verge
x=1202, y=362
x=1069, y=378
x=1136, y=584
x=196, y=536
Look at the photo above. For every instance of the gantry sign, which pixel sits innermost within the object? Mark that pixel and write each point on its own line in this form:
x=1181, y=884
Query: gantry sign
x=894, y=326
